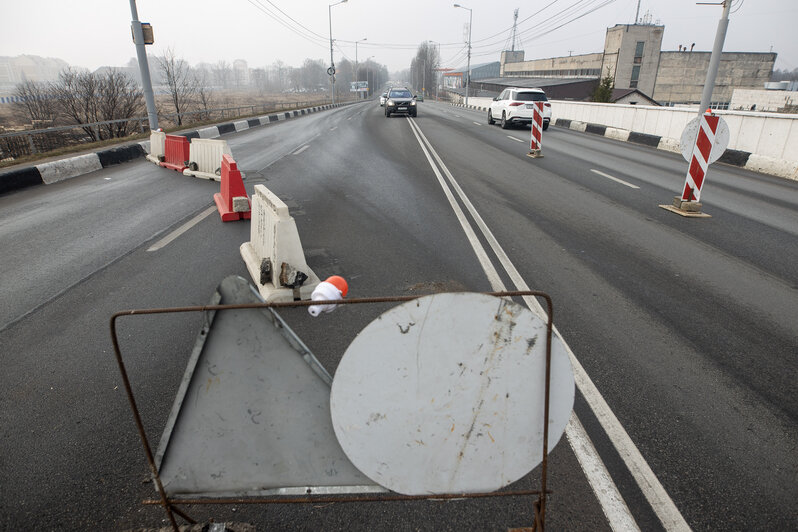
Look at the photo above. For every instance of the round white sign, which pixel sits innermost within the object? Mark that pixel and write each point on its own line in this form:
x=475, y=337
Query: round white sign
x=690, y=134
x=445, y=394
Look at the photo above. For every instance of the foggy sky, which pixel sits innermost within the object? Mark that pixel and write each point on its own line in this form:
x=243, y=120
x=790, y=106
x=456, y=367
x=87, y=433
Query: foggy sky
x=94, y=33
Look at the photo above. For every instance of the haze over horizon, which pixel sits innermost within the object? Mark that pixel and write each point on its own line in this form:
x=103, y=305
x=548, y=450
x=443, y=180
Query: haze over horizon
x=262, y=32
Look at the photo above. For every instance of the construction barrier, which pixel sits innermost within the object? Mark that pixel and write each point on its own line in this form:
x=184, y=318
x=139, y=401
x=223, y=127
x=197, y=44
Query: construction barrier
x=205, y=158
x=157, y=146
x=232, y=200
x=536, y=142
x=176, y=152
x=274, y=255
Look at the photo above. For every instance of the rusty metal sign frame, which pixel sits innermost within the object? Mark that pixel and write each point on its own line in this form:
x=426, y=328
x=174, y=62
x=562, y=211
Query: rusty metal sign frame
x=170, y=505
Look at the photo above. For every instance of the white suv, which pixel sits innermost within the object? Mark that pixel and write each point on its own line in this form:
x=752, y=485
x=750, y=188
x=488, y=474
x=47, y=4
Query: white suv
x=515, y=106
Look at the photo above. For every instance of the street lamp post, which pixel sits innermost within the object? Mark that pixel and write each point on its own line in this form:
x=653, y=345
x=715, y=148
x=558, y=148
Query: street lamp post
x=357, y=70
x=468, y=68
x=331, y=70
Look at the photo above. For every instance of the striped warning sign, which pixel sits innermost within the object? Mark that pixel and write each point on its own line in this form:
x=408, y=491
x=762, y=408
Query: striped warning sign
x=535, y=144
x=711, y=139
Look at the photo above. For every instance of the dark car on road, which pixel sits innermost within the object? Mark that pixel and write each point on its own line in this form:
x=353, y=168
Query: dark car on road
x=400, y=100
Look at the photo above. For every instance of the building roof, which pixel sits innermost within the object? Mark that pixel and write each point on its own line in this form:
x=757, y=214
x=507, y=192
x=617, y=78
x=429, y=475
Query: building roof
x=617, y=94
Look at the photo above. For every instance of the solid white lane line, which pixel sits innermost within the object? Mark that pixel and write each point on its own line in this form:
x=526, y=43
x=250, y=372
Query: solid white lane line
x=515, y=138
x=182, y=229
x=621, y=181
x=607, y=494
x=300, y=150
x=612, y=504
x=482, y=256
x=649, y=484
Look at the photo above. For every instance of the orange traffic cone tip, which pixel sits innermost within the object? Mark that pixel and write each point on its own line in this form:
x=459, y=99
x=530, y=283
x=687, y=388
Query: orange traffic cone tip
x=340, y=283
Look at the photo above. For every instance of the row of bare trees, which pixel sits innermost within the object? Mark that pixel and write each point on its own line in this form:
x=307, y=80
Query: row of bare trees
x=423, y=67
x=81, y=97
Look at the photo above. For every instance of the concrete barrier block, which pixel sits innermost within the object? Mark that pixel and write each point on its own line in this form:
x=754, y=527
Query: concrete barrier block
x=20, y=178
x=68, y=168
x=157, y=146
x=274, y=255
x=253, y=122
x=264, y=120
x=576, y=125
x=208, y=132
x=617, y=134
x=668, y=144
x=768, y=165
x=241, y=125
x=205, y=158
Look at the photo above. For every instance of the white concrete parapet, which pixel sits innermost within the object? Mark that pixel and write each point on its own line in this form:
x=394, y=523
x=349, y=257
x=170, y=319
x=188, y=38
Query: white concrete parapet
x=205, y=158
x=274, y=255
x=68, y=168
x=157, y=146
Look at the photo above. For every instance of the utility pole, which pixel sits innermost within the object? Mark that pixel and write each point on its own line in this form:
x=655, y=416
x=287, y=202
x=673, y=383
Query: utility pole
x=468, y=67
x=144, y=68
x=331, y=70
x=714, y=59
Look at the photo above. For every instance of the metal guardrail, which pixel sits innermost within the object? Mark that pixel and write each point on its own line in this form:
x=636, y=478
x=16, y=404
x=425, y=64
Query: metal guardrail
x=29, y=142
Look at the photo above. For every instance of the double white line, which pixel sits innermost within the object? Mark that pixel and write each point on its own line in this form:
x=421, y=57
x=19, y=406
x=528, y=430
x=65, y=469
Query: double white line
x=612, y=504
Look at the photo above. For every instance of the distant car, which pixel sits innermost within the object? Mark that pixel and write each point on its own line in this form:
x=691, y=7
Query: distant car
x=400, y=100
x=383, y=97
x=420, y=97
x=515, y=106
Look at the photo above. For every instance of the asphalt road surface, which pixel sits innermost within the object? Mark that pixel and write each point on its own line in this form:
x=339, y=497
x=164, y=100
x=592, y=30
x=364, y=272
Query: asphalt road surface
x=684, y=331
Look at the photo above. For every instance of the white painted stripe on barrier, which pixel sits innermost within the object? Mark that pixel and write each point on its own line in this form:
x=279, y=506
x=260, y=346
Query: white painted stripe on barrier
x=671, y=145
x=208, y=132
x=617, y=134
x=241, y=125
x=768, y=165
x=145, y=145
x=578, y=126
x=68, y=168
x=264, y=120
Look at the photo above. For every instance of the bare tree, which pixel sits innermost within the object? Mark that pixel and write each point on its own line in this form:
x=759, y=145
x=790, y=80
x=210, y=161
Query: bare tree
x=180, y=82
x=204, y=92
x=35, y=101
x=78, y=94
x=120, y=98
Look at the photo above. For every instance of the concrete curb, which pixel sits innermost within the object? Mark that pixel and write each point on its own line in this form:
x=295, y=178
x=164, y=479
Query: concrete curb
x=741, y=159
x=55, y=171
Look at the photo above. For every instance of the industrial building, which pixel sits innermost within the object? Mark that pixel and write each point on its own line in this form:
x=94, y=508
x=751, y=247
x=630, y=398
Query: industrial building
x=633, y=57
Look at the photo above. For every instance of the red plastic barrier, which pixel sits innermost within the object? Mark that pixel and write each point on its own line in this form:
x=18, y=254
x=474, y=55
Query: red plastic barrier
x=176, y=153
x=232, y=202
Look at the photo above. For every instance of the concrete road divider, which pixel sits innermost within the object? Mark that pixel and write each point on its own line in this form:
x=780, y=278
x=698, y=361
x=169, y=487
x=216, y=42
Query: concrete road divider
x=205, y=158
x=157, y=146
x=68, y=168
x=241, y=125
x=274, y=255
x=208, y=132
x=232, y=201
x=176, y=153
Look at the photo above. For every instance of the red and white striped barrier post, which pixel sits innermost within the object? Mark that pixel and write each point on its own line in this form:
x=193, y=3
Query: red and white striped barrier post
x=535, y=144
x=699, y=160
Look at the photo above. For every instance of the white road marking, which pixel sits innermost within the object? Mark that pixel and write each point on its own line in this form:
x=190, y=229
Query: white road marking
x=477, y=123
x=621, y=181
x=333, y=128
x=515, y=138
x=303, y=148
x=182, y=229
x=618, y=515
x=458, y=116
